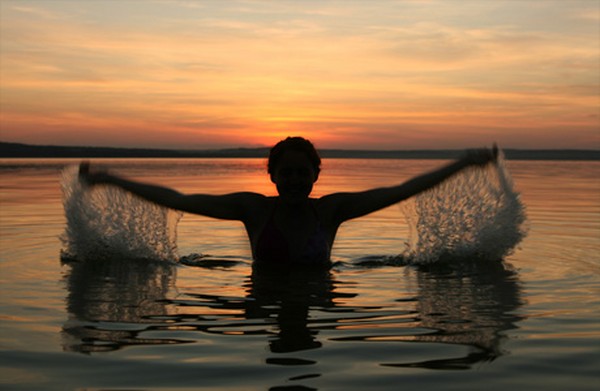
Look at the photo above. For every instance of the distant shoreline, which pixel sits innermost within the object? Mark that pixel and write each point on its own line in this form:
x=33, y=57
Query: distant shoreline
x=17, y=150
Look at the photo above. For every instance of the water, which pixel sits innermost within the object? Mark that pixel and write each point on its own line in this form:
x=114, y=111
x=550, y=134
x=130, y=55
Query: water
x=372, y=322
x=104, y=223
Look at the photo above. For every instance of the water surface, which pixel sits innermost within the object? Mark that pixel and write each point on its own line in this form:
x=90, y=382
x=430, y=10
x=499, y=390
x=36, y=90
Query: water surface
x=530, y=321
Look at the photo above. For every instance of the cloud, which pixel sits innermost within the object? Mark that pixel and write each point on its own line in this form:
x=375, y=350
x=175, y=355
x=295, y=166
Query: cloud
x=36, y=12
x=363, y=72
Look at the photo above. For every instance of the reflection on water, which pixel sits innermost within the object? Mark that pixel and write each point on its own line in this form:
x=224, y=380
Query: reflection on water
x=471, y=305
x=113, y=304
x=288, y=297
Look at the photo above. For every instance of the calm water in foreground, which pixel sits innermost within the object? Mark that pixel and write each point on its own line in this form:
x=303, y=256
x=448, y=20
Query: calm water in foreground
x=531, y=322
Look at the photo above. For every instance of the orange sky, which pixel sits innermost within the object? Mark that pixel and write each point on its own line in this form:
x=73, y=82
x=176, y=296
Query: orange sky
x=347, y=74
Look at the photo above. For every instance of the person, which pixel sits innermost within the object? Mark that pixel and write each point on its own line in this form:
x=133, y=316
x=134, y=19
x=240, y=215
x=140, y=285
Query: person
x=291, y=228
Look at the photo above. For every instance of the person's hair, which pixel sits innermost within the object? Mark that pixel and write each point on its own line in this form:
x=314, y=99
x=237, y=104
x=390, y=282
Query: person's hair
x=298, y=144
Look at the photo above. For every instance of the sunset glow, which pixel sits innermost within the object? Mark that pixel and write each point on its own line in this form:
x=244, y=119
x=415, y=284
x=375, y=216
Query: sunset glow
x=347, y=74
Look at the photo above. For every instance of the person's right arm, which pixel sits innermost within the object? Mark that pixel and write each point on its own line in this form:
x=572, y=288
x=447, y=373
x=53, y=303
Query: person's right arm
x=233, y=206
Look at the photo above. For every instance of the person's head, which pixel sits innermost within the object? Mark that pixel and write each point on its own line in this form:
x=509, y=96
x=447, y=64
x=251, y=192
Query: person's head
x=294, y=166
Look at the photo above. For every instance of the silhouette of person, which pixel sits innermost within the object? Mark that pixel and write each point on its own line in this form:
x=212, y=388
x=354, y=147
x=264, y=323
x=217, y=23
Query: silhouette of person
x=291, y=228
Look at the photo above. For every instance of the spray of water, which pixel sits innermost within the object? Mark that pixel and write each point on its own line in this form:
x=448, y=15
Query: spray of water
x=474, y=215
x=105, y=222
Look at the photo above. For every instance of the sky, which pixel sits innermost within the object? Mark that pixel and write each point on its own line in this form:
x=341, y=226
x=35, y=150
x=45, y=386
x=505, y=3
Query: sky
x=351, y=74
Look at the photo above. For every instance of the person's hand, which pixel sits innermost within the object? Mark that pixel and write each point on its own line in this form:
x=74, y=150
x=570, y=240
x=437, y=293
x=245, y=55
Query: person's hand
x=481, y=157
x=91, y=178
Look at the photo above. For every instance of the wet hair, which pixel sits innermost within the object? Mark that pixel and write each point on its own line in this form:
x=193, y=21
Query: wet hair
x=298, y=144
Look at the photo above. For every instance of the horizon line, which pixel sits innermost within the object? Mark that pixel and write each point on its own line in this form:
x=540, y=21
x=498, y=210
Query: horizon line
x=234, y=148
x=20, y=150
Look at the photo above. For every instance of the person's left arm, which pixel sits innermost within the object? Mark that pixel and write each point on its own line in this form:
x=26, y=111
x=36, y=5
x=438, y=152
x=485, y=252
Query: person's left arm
x=348, y=206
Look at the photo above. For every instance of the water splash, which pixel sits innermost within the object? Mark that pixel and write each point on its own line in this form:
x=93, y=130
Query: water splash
x=474, y=215
x=104, y=222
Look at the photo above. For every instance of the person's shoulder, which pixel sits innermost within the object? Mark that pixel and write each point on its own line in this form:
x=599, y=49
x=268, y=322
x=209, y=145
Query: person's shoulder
x=334, y=206
x=332, y=199
x=248, y=195
x=255, y=199
x=326, y=205
x=256, y=206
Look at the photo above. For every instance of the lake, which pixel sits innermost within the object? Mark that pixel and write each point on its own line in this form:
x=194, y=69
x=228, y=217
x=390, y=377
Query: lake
x=375, y=321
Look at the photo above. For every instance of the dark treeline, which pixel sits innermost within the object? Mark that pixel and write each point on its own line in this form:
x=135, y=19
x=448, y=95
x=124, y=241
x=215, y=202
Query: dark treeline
x=48, y=151
x=16, y=150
